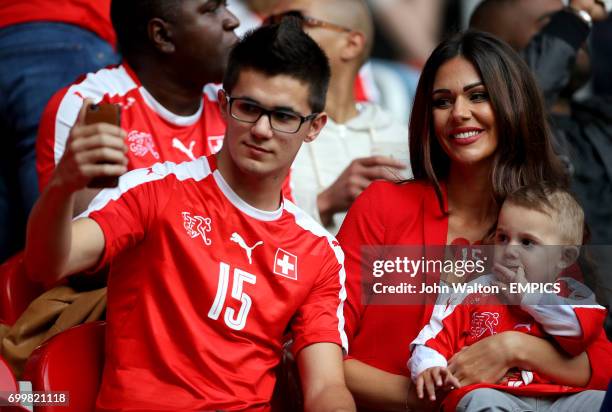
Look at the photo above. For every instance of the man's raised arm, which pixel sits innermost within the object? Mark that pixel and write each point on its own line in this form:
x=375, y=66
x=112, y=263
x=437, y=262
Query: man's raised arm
x=55, y=245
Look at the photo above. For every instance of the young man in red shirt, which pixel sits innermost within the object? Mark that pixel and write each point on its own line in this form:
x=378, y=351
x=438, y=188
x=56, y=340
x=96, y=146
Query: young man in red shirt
x=210, y=264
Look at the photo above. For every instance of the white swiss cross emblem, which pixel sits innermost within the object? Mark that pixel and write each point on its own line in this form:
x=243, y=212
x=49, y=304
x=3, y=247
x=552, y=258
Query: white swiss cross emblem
x=285, y=264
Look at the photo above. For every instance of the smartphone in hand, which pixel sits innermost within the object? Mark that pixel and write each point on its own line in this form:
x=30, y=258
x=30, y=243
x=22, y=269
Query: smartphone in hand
x=103, y=113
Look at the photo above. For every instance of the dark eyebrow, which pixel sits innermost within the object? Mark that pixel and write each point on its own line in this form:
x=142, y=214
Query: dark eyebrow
x=287, y=109
x=465, y=89
x=471, y=86
x=441, y=91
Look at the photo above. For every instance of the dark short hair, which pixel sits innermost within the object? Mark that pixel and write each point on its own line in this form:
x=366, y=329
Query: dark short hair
x=282, y=49
x=130, y=19
x=524, y=152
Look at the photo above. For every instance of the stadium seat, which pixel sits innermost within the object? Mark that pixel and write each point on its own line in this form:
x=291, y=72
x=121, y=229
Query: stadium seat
x=8, y=384
x=71, y=361
x=7, y=379
x=16, y=289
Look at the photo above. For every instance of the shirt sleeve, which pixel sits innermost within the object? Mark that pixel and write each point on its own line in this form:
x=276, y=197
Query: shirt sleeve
x=552, y=52
x=361, y=227
x=442, y=332
x=126, y=212
x=574, y=321
x=320, y=318
x=600, y=358
x=53, y=131
x=423, y=358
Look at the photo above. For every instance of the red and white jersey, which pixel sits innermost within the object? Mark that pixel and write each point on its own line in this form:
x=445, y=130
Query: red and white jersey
x=466, y=319
x=202, y=288
x=154, y=133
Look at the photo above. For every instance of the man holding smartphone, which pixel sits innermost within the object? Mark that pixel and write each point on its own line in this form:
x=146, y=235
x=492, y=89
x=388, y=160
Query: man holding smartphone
x=170, y=50
x=178, y=336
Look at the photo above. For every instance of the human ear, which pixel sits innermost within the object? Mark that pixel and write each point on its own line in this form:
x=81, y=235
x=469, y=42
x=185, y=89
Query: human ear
x=354, y=45
x=569, y=256
x=223, y=103
x=316, y=125
x=160, y=34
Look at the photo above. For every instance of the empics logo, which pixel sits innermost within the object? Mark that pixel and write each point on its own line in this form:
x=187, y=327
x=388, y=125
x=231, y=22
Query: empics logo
x=285, y=264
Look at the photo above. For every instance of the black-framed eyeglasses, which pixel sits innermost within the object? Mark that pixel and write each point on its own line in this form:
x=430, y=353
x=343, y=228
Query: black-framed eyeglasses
x=246, y=110
x=307, y=21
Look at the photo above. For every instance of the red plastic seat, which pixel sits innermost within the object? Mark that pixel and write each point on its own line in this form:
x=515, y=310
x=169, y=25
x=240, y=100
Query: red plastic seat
x=7, y=379
x=70, y=361
x=16, y=289
x=8, y=384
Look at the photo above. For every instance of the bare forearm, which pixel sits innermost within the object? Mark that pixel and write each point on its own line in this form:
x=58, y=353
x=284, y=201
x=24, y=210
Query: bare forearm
x=377, y=389
x=541, y=356
x=335, y=398
x=49, y=234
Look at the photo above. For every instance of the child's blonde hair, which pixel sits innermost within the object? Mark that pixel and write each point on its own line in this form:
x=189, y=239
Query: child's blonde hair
x=556, y=202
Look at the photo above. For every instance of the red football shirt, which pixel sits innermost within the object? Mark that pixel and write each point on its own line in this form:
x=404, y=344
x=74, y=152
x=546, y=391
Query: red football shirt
x=154, y=133
x=202, y=288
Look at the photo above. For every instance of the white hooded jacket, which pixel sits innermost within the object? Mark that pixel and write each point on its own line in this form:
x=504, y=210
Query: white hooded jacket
x=319, y=163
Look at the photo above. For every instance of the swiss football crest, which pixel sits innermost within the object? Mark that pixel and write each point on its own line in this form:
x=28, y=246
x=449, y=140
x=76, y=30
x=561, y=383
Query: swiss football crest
x=197, y=226
x=285, y=264
x=141, y=143
x=483, y=322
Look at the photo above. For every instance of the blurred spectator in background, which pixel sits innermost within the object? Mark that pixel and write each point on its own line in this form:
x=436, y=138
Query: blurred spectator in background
x=601, y=40
x=551, y=38
x=44, y=45
x=356, y=145
x=252, y=13
x=170, y=52
x=412, y=26
x=406, y=32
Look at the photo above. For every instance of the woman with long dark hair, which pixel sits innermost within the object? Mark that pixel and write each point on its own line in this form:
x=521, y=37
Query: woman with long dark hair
x=477, y=132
